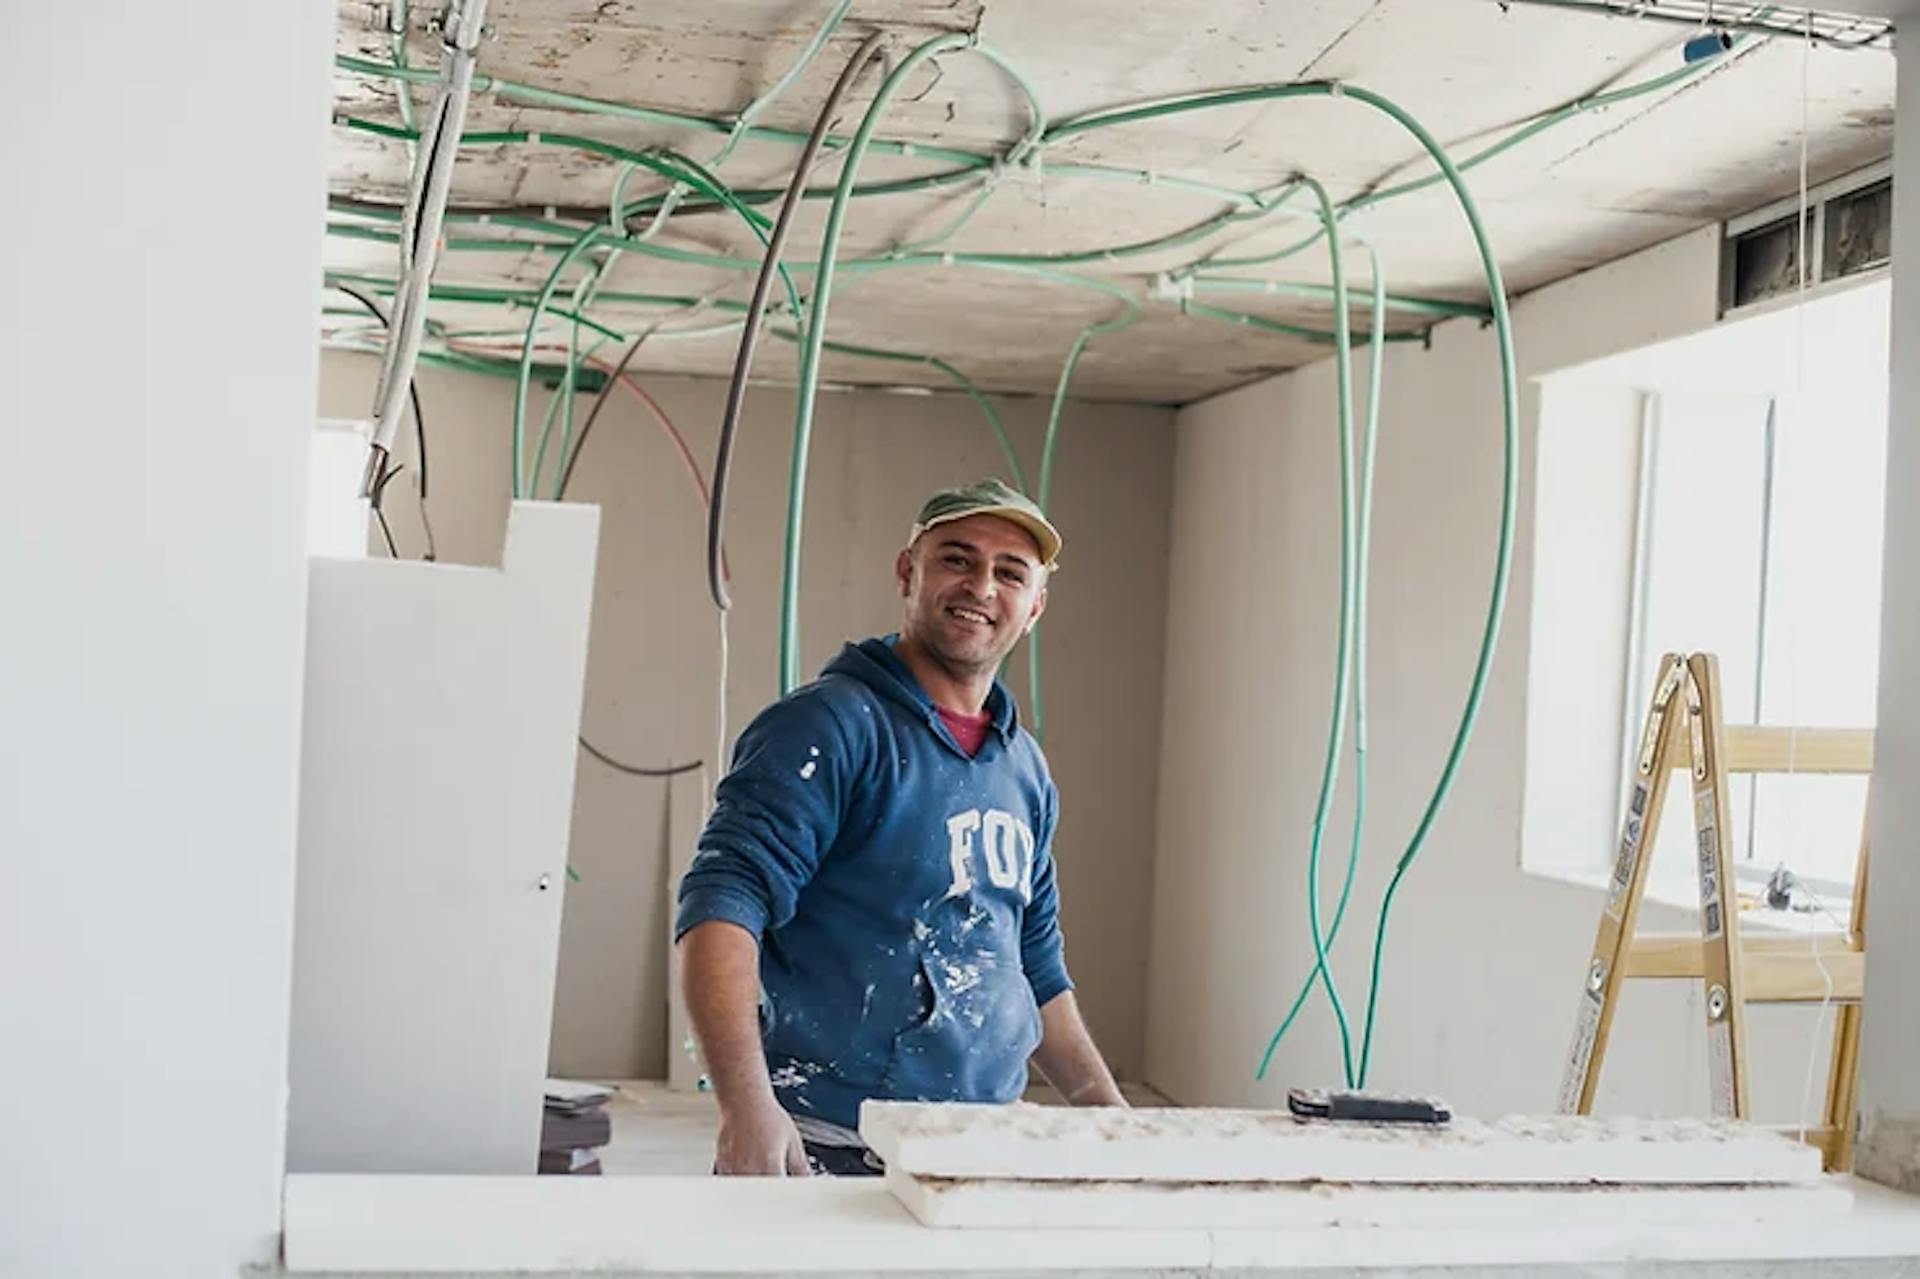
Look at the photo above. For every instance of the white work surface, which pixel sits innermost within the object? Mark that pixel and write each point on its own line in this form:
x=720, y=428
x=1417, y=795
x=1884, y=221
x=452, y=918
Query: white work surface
x=703, y=1225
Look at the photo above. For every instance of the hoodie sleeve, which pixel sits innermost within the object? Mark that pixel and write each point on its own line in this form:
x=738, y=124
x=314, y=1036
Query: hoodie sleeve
x=775, y=816
x=1042, y=948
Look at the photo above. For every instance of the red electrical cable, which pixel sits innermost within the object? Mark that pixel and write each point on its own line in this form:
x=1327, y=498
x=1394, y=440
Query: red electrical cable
x=678, y=440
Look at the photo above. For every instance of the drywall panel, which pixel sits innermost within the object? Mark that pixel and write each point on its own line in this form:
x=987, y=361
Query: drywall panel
x=436, y=790
x=157, y=376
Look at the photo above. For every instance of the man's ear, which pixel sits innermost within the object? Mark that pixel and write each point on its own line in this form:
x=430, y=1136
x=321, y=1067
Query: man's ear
x=903, y=569
x=1039, y=607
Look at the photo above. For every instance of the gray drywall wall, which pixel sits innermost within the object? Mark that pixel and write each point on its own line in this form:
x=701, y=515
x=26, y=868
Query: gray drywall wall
x=652, y=666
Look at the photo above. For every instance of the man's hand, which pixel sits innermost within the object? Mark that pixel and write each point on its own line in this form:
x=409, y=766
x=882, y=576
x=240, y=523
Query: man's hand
x=720, y=971
x=759, y=1140
x=1068, y=1058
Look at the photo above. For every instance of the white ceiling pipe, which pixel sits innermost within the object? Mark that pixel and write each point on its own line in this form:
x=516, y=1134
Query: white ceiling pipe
x=420, y=229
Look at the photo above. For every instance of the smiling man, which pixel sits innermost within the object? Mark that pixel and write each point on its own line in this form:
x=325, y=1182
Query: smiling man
x=873, y=911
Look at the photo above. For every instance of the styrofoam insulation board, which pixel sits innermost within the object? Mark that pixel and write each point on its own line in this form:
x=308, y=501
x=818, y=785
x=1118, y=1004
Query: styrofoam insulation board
x=1134, y=1205
x=1042, y=1143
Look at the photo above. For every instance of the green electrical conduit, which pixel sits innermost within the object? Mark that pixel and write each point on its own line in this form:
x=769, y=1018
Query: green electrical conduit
x=971, y=165
x=526, y=297
x=1450, y=173
x=670, y=199
x=815, y=331
x=965, y=164
x=756, y=313
x=1524, y=132
x=564, y=234
x=684, y=170
x=1503, y=563
x=1036, y=703
x=1357, y=582
x=1354, y=531
x=1343, y=667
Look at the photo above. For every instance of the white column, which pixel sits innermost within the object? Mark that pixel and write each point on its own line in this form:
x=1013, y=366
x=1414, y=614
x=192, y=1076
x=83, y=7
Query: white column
x=1889, y=1148
x=160, y=244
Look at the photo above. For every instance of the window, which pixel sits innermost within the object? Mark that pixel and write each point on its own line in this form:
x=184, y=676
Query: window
x=1848, y=230
x=1721, y=493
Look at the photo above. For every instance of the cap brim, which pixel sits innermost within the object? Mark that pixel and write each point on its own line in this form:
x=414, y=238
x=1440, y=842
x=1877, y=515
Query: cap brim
x=1044, y=535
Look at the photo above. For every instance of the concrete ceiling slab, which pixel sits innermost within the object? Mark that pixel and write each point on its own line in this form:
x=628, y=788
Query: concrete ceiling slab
x=1594, y=187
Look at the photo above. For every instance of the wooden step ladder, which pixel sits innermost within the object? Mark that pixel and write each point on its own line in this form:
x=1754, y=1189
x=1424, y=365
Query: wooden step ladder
x=1685, y=730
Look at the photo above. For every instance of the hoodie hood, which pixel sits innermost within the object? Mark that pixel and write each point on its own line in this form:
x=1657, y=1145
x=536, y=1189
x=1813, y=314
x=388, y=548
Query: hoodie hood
x=874, y=663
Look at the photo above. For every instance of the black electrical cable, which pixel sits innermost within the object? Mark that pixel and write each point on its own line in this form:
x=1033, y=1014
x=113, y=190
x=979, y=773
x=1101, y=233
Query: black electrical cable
x=672, y=770
x=413, y=392
x=593, y=414
x=386, y=531
x=756, y=312
x=380, y=513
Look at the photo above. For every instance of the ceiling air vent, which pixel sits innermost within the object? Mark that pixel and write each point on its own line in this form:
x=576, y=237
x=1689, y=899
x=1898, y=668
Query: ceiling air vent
x=1849, y=232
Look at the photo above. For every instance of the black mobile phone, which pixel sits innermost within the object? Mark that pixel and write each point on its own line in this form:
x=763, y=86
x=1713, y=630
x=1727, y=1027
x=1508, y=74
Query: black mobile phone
x=1365, y=1107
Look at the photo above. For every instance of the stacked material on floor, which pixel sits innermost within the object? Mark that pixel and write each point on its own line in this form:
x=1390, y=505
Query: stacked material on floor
x=1028, y=1166
x=574, y=1125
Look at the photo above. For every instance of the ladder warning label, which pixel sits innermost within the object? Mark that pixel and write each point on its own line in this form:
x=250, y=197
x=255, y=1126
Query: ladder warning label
x=1711, y=922
x=1629, y=853
x=1586, y=1029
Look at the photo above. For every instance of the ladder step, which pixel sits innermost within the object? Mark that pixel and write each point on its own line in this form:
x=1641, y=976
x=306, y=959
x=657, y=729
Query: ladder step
x=1776, y=970
x=1765, y=748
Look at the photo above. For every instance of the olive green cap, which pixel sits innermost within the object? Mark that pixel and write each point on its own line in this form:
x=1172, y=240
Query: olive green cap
x=990, y=497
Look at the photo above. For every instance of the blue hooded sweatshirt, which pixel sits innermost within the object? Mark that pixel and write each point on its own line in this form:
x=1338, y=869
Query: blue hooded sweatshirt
x=903, y=893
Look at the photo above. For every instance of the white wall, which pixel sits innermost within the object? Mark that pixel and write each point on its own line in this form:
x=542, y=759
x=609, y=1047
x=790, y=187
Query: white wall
x=157, y=352
x=1890, y=1030
x=653, y=664
x=436, y=790
x=1483, y=963
x=1587, y=472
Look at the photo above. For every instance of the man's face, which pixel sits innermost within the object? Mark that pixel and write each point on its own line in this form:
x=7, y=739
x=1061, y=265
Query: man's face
x=972, y=587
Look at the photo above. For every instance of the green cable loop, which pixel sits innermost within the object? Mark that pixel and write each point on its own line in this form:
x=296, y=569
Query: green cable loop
x=1530, y=129
x=814, y=334
x=1510, y=397
x=1036, y=702
x=535, y=96
x=525, y=377
x=526, y=297
x=1343, y=668
x=1376, y=341
x=600, y=231
x=960, y=380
